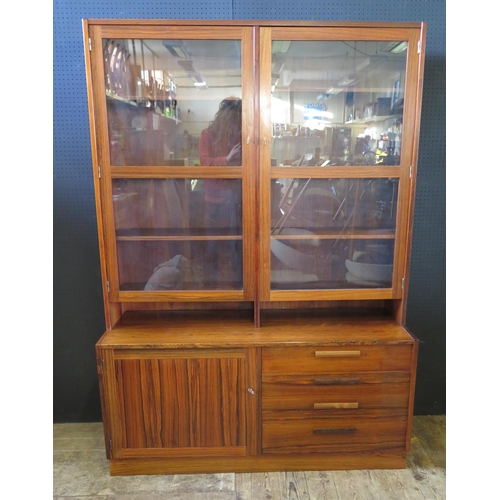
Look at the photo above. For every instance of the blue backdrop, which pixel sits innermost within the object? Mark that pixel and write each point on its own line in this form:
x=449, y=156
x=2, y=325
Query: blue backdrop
x=78, y=310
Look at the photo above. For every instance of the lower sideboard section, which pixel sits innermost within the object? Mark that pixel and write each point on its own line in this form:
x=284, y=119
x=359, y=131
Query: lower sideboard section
x=177, y=400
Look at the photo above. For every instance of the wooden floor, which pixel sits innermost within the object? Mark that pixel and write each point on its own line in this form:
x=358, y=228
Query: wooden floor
x=81, y=472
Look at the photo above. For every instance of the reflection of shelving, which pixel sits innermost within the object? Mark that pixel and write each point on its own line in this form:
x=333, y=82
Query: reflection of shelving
x=372, y=119
x=118, y=98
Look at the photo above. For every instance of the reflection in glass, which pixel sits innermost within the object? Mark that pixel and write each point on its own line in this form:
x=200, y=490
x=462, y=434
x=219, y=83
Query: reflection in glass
x=220, y=142
x=161, y=95
x=337, y=103
x=171, y=237
x=332, y=233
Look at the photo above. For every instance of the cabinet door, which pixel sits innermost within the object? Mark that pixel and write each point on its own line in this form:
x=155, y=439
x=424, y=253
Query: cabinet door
x=338, y=140
x=174, y=119
x=179, y=403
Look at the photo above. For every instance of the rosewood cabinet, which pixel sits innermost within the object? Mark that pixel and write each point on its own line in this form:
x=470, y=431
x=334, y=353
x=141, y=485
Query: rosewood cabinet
x=254, y=186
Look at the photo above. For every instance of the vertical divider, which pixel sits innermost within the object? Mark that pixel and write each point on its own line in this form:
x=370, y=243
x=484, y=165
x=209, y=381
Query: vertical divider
x=264, y=162
x=256, y=146
x=248, y=172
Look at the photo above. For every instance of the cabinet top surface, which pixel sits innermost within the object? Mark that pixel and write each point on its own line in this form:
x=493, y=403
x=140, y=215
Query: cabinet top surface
x=250, y=22
x=203, y=329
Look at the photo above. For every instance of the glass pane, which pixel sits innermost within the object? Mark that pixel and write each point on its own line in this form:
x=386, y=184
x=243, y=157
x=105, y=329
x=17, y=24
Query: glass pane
x=332, y=233
x=337, y=103
x=178, y=234
x=173, y=102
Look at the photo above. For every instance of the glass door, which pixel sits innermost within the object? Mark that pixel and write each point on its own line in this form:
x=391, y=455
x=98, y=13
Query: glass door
x=177, y=122
x=335, y=161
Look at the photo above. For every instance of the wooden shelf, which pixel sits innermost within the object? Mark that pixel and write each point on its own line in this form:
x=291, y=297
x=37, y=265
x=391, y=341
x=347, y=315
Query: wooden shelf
x=141, y=234
x=339, y=234
x=228, y=328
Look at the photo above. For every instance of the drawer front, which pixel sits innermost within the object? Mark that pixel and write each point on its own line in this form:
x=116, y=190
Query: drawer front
x=334, y=359
x=337, y=393
x=298, y=432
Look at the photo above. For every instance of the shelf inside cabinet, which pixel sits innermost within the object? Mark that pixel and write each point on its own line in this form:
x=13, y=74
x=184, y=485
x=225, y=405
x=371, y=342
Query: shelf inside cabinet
x=180, y=234
x=337, y=234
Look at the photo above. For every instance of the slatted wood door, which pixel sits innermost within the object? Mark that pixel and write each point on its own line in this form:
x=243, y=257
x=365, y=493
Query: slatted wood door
x=180, y=402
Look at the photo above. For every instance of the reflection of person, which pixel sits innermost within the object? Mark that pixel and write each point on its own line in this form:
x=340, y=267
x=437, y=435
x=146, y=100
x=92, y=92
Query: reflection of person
x=185, y=144
x=220, y=145
x=363, y=145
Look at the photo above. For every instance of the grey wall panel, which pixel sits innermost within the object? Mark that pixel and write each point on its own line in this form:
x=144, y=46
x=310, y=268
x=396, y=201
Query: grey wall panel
x=78, y=310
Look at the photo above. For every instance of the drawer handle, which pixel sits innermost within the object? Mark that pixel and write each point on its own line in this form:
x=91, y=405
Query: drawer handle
x=345, y=430
x=337, y=354
x=339, y=406
x=336, y=381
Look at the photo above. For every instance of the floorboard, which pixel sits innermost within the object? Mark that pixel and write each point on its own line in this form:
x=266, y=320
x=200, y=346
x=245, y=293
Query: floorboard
x=81, y=472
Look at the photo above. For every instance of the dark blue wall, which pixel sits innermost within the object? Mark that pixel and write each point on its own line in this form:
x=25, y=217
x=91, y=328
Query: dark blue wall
x=78, y=311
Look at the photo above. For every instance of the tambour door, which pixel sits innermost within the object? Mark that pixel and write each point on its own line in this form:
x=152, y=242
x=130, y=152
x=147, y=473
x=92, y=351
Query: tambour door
x=173, y=108
x=179, y=402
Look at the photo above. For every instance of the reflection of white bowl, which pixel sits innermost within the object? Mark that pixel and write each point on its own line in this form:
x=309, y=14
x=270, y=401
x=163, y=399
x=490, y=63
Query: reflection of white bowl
x=370, y=272
x=293, y=258
x=358, y=281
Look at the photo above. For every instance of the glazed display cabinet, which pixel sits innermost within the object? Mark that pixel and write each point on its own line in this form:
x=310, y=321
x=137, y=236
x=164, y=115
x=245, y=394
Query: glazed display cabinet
x=254, y=187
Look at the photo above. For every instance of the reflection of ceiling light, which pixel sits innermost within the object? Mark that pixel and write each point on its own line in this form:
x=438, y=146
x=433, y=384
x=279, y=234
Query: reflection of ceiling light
x=176, y=48
x=399, y=48
x=363, y=64
x=278, y=64
x=186, y=65
x=196, y=78
x=281, y=46
x=396, y=47
x=198, y=81
x=349, y=80
x=334, y=90
x=274, y=81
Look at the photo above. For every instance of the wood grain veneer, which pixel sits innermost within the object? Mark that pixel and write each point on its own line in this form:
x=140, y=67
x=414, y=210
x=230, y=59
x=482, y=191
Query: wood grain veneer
x=195, y=329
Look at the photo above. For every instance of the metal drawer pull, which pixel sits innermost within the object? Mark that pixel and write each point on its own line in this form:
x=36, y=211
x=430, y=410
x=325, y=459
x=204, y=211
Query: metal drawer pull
x=327, y=406
x=346, y=430
x=337, y=354
x=336, y=381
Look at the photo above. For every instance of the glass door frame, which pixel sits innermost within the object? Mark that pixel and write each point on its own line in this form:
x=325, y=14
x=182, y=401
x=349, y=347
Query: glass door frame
x=107, y=172
x=404, y=172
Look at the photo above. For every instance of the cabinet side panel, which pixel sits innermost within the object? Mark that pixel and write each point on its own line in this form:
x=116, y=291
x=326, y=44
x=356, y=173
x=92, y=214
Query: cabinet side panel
x=100, y=353
x=411, y=400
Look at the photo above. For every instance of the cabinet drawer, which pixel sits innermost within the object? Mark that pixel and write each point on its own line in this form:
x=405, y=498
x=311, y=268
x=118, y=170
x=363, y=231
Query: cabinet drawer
x=300, y=433
x=333, y=359
x=336, y=394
